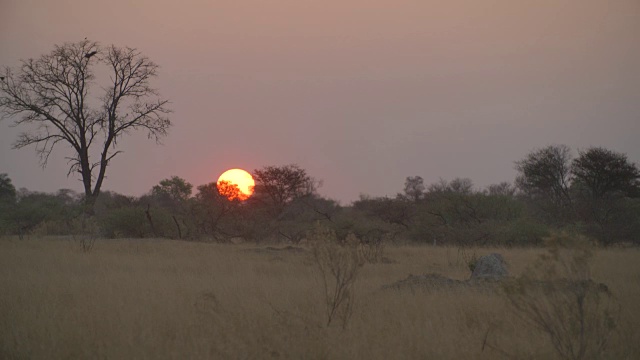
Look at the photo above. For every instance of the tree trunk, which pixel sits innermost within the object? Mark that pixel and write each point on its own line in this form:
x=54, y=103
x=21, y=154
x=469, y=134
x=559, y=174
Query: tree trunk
x=148, y=213
x=89, y=203
x=177, y=226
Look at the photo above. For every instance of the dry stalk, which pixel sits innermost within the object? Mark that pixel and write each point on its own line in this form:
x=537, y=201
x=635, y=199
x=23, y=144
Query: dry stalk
x=558, y=297
x=339, y=265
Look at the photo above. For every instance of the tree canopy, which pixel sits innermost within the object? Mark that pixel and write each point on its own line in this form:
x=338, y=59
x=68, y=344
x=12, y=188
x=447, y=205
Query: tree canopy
x=50, y=96
x=279, y=185
x=546, y=173
x=414, y=188
x=7, y=190
x=603, y=172
x=174, y=190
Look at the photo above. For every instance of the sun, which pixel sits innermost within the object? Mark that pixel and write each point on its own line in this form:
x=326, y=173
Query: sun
x=236, y=184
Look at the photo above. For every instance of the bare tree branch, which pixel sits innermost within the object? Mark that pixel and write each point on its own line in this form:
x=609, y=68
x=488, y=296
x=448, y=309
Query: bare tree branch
x=51, y=95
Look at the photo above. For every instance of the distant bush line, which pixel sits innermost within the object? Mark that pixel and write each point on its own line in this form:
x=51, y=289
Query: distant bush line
x=596, y=195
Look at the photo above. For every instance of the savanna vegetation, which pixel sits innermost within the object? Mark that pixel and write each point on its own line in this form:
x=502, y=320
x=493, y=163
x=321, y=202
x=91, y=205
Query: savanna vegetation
x=290, y=274
x=188, y=271
x=53, y=98
x=596, y=194
x=164, y=299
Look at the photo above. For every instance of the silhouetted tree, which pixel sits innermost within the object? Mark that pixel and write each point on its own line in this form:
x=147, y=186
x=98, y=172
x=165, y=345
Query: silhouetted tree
x=414, y=188
x=8, y=198
x=454, y=213
x=51, y=94
x=213, y=208
x=35, y=208
x=7, y=190
x=544, y=179
x=173, y=195
x=303, y=214
x=457, y=212
x=392, y=211
x=601, y=172
x=173, y=191
x=606, y=186
x=279, y=185
x=546, y=172
x=228, y=190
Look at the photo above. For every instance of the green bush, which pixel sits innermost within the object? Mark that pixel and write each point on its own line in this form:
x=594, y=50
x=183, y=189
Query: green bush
x=522, y=232
x=125, y=222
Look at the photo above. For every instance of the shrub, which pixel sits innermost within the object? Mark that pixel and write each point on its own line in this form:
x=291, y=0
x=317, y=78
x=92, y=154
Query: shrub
x=125, y=222
x=371, y=247
x=339, y=264
x=558, y=297
x=522, y=232
x=470, y=258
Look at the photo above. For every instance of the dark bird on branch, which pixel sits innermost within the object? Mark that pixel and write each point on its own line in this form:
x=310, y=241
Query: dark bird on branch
x=90, y=54
x=1, y=78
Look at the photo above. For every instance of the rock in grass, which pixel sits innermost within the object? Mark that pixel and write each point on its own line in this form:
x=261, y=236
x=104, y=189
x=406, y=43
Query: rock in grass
x=490, y=266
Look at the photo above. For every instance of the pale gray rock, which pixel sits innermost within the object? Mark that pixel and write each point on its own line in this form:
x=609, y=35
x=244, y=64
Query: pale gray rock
x=490, y=266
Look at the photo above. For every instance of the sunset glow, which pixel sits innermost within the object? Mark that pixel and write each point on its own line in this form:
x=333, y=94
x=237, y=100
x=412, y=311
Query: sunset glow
x=236, y=184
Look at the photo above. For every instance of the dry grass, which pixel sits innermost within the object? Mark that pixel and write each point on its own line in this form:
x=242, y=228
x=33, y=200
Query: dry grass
x=157, y=299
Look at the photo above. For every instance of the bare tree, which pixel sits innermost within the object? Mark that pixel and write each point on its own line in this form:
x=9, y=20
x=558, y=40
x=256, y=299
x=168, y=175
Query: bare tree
x=52, y=95
x=339, y=264
x=546, y=172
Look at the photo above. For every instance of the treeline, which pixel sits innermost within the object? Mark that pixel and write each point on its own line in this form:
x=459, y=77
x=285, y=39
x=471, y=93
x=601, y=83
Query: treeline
x=596, y=194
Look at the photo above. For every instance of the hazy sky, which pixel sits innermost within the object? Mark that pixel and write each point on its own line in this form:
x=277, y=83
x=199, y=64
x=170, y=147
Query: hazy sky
x=361, y=93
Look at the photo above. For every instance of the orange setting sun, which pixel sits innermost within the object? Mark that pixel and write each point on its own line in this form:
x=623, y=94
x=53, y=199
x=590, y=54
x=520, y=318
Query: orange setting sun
x=240, y=178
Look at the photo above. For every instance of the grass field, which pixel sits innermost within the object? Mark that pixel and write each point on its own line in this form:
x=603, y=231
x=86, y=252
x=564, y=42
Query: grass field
x=161, y=299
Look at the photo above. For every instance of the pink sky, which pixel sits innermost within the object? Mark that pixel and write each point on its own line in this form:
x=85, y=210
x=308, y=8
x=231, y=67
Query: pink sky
x=360, y=93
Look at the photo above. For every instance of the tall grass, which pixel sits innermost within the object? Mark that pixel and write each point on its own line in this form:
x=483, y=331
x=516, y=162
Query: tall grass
x=158, y=299
x=559, y=298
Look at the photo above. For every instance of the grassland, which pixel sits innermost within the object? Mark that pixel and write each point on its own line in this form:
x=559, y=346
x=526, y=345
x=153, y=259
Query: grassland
x=161, y=299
